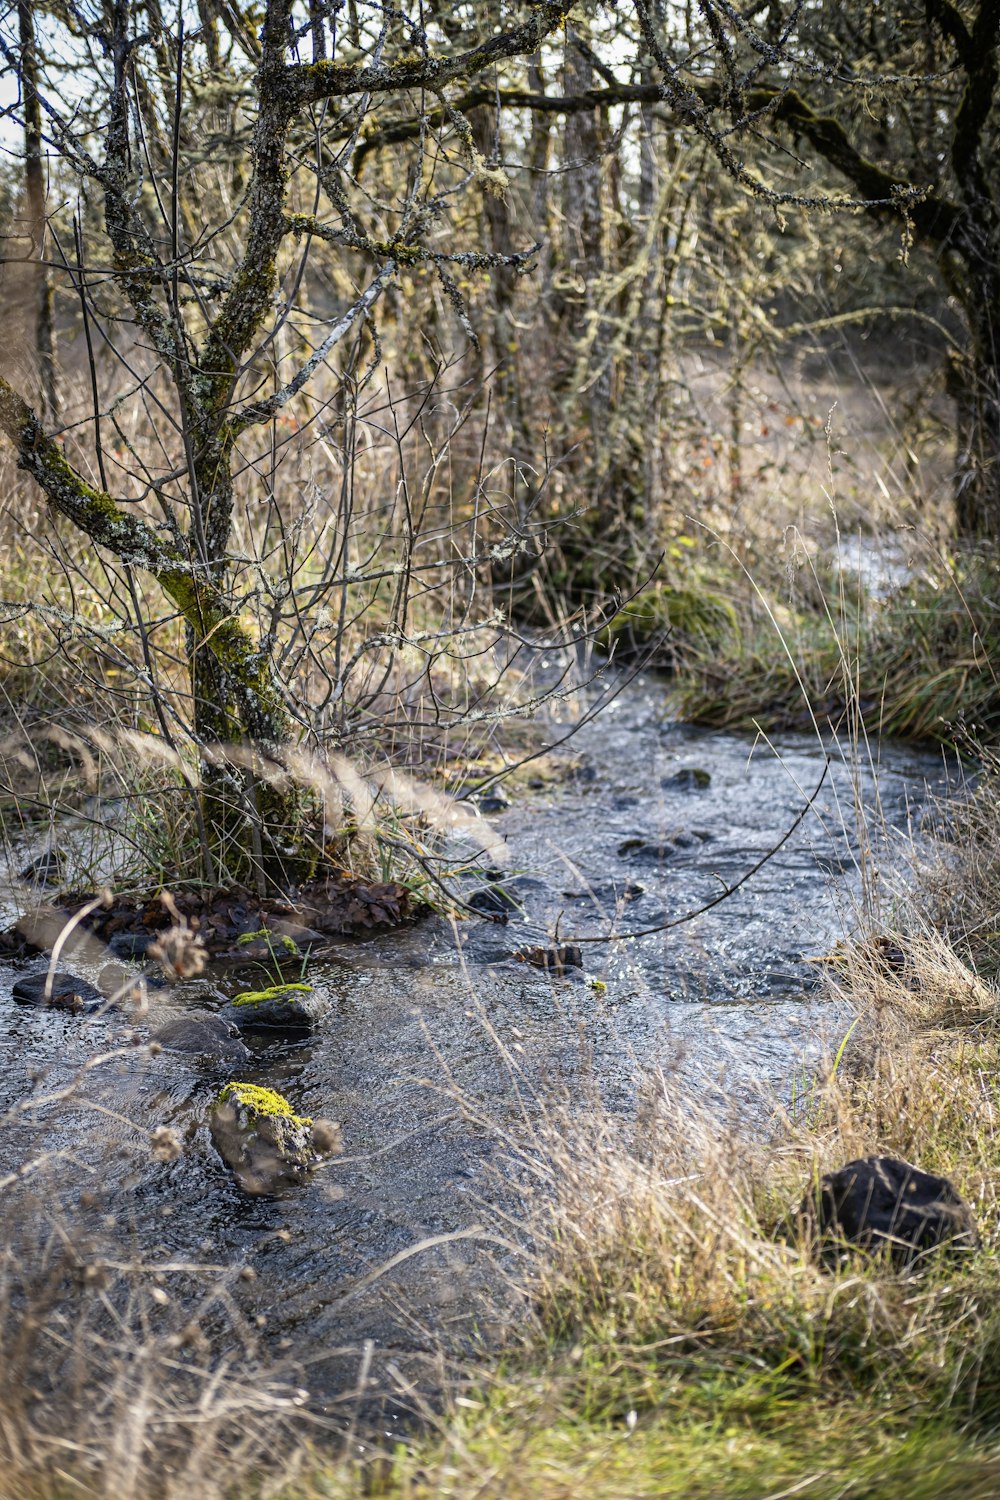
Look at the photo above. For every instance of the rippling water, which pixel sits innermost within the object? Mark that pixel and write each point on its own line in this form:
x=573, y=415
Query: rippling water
x=424, y=1017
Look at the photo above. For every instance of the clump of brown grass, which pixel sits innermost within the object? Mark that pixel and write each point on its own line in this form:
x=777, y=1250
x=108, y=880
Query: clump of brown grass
x=129, y=1376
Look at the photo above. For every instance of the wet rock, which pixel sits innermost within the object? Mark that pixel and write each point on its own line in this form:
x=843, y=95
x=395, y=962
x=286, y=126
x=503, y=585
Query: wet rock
x=561, y=959
x=304, y=938
x=206, y=1034
x=285, y=1007
x=265, y=1144
x=48, y=869
x=493, y=801
x=665, y=847
x=494, y=901
x=880, y=1202
x=688, y=779
x=132, y=944
x=64, y=992
x=280, y=939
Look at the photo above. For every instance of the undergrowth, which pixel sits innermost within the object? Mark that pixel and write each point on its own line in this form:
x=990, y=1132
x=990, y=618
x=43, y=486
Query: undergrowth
x=749, y=650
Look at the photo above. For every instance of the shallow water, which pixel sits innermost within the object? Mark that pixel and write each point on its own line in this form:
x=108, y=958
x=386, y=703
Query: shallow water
x=439, y=1040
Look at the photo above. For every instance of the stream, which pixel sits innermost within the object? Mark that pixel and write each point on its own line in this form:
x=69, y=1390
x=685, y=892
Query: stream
x=646, y=822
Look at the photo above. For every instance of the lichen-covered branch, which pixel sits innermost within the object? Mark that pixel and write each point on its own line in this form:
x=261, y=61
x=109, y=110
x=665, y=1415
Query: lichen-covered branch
x=261, y=411
x=309, y=83
x=932, y=215
x=255, y=279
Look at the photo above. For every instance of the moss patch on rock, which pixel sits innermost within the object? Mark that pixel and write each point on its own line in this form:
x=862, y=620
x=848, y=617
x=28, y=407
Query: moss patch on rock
x=261, y=1101
x=669, y=620
x=289, y=1007
x=274, y=992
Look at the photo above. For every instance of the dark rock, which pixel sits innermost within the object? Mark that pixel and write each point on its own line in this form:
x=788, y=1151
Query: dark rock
x=66, y=992
x=132, y=944
x=880, y=1202
x=204, y=1033
x=263, y=1141
x=48, y=869
x=559, y=960
x=665, y=847
x=688, y=779
x=494, y=901
x=493, y=801
x=285, y=1007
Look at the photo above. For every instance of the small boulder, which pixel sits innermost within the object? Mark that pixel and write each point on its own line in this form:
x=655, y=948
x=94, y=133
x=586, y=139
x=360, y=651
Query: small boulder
x=494, y=901
x=266, y=1145
x=666, y=846
x=48, y=869
x=493, y=801
x=880, y=1202
x=303, y=938
x=285, y=1007
x=561, y=959
x=60, y=991
x=206, y=1034
x=688, y=779
x=132, y=944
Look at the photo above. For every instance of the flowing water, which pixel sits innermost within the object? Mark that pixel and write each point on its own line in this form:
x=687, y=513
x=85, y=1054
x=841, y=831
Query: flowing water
x=439, y=1040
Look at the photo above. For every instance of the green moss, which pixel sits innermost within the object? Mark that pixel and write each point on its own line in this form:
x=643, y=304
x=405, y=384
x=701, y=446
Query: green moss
x=274, y=940
x=683, y=615
x=261, y=1101
x=276, y=992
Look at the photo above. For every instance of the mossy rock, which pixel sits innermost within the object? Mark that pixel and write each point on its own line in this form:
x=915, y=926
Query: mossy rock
x=672, y=621
x=688, y=779
x=266, y=1145
x=281, y=1007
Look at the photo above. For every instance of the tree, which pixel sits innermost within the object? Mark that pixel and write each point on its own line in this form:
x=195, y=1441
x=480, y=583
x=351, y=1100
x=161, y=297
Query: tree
x=925, y=147
x=210, y=329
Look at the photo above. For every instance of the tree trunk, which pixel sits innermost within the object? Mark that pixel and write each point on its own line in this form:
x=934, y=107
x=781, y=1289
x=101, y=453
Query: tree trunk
x=34, y=197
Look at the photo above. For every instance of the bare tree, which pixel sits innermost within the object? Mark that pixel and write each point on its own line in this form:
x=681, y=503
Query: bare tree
x=211, y=328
